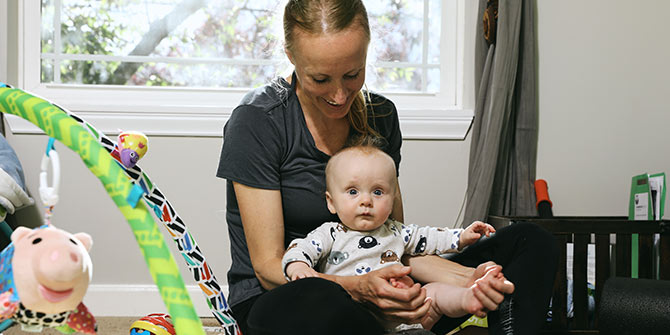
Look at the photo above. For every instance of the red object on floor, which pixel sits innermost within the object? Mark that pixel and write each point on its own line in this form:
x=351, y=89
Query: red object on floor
x=155, y=323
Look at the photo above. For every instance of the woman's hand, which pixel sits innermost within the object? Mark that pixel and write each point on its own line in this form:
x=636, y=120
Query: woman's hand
x=299, y=270
x=474, y=232
x=406, y=305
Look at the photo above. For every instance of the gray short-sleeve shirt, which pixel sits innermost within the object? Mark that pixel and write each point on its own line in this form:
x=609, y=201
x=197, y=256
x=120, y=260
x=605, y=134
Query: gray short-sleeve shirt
x=266, y=144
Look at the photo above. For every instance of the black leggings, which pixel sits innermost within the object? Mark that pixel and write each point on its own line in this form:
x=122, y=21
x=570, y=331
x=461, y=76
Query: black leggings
x=529, y=256
x=305, y=306
x=527, y=253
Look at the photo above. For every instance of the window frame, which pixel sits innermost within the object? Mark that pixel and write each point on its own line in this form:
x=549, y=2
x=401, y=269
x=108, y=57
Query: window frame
x=4, y=25
x=202, y=112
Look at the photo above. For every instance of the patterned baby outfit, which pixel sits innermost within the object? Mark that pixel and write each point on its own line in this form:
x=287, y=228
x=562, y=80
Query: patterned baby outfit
x=332, y=248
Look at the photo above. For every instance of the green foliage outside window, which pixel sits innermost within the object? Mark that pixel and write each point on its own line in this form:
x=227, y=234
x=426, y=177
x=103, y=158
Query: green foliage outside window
x=225, y=44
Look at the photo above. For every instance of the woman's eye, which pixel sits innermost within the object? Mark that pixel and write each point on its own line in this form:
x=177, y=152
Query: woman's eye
x=352, y=192
x=352, y=76
x=320, y=81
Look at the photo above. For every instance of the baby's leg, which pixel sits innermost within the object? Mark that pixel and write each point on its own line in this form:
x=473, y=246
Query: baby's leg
x=454, y=301
x=449, y=300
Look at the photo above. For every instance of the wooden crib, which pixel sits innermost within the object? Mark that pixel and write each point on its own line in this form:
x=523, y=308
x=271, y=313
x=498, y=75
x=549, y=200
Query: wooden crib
x=584, y=230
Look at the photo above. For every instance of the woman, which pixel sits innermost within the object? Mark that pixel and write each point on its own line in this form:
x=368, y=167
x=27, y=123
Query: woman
x=276, y=145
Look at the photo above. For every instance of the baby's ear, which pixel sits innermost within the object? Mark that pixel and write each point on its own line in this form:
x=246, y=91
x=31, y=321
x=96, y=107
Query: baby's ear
x=329, y=201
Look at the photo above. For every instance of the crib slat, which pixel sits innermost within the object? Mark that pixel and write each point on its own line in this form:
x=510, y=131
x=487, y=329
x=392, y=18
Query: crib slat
x=645, y=256
x=664, y=251
x=560, y=295
x=579, y=293
x=602, y=268
x=602, y=227
x=622, y=255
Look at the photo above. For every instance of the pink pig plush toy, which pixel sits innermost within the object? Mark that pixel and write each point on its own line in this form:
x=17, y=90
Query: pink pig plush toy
x=44, y=274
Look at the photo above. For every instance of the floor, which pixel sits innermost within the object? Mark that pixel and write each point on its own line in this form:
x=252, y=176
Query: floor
x=117, y=326
x=121, y=325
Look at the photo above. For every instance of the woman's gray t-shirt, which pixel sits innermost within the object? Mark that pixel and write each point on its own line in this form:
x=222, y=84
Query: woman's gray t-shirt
x=266, y=144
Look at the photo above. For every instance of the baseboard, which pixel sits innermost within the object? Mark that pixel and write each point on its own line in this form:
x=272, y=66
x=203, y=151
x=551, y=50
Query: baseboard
x=137, y=300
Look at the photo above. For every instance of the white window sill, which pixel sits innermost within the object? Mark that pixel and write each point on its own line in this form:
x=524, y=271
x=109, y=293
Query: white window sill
x=202, y=113
x=453, y=126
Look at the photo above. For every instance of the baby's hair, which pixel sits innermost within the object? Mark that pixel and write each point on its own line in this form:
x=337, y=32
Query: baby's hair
x=367, y=145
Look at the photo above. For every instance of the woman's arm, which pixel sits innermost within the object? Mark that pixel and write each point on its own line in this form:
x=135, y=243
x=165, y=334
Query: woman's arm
x=408, y=305
x=428, y=269
x=262, y=218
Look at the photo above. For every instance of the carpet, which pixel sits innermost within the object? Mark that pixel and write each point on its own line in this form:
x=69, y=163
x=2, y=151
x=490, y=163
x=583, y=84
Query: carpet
x=116, y=326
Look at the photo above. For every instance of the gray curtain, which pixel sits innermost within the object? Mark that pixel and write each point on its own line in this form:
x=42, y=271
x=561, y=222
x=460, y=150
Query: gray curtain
x=503, y=148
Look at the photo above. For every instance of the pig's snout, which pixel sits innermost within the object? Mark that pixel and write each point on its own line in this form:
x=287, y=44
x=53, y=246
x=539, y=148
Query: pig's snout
x=56, y=254
x=61, y=266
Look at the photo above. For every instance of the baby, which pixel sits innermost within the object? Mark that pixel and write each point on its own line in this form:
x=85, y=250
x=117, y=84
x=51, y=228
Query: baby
x=361, y=186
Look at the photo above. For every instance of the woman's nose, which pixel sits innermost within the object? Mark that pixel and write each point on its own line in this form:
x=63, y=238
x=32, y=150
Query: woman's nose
x=340, y=95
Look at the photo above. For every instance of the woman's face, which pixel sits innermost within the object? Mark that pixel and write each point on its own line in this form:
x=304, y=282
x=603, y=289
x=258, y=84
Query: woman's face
x=330, y=70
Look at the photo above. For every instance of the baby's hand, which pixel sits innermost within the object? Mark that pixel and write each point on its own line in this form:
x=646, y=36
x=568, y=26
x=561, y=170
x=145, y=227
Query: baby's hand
x=401, y=282
x=473, y=232
x=299, y=270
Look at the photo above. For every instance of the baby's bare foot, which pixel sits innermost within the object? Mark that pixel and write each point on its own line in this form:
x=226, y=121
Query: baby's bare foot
x=444, y=298
x=401, y=282
x=452, y=301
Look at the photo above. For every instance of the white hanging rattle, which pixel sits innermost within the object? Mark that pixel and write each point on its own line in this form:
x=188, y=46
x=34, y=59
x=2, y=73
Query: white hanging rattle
x=49, y=195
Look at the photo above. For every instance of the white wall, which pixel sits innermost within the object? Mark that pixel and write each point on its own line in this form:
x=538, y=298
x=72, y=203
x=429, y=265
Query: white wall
x=603, y=87
x=604, y=83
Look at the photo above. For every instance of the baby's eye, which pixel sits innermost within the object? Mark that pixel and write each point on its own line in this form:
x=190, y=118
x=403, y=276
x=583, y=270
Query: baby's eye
x=352, y=192
x=378, y=192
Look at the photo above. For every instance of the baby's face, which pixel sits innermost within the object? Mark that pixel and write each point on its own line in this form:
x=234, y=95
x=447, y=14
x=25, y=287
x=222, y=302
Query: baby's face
x=362, y=189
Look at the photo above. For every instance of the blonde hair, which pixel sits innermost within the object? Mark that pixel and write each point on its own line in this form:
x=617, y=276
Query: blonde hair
x=331, y=16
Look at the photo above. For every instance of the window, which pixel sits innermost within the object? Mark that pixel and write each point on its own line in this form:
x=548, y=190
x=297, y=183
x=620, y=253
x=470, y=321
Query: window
x=179, y=67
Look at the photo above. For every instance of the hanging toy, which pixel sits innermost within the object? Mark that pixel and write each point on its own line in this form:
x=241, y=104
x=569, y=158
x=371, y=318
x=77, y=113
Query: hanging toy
x=49, y=194
x=44, y=275
x=132, y=147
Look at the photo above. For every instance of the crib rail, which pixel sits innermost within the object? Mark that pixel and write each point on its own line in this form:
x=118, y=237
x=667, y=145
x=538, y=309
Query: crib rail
x=583, y=230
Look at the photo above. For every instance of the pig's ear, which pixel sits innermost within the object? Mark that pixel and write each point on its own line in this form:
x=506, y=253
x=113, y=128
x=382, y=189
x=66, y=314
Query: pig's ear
x=19, y=233
x=85, y=239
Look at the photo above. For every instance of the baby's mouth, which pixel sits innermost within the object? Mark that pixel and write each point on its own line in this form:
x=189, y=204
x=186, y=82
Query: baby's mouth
x=54, y=296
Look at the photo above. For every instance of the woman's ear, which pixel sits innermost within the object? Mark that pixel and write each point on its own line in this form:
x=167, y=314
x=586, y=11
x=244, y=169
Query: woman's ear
x=289, y=55
x=329, y=201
